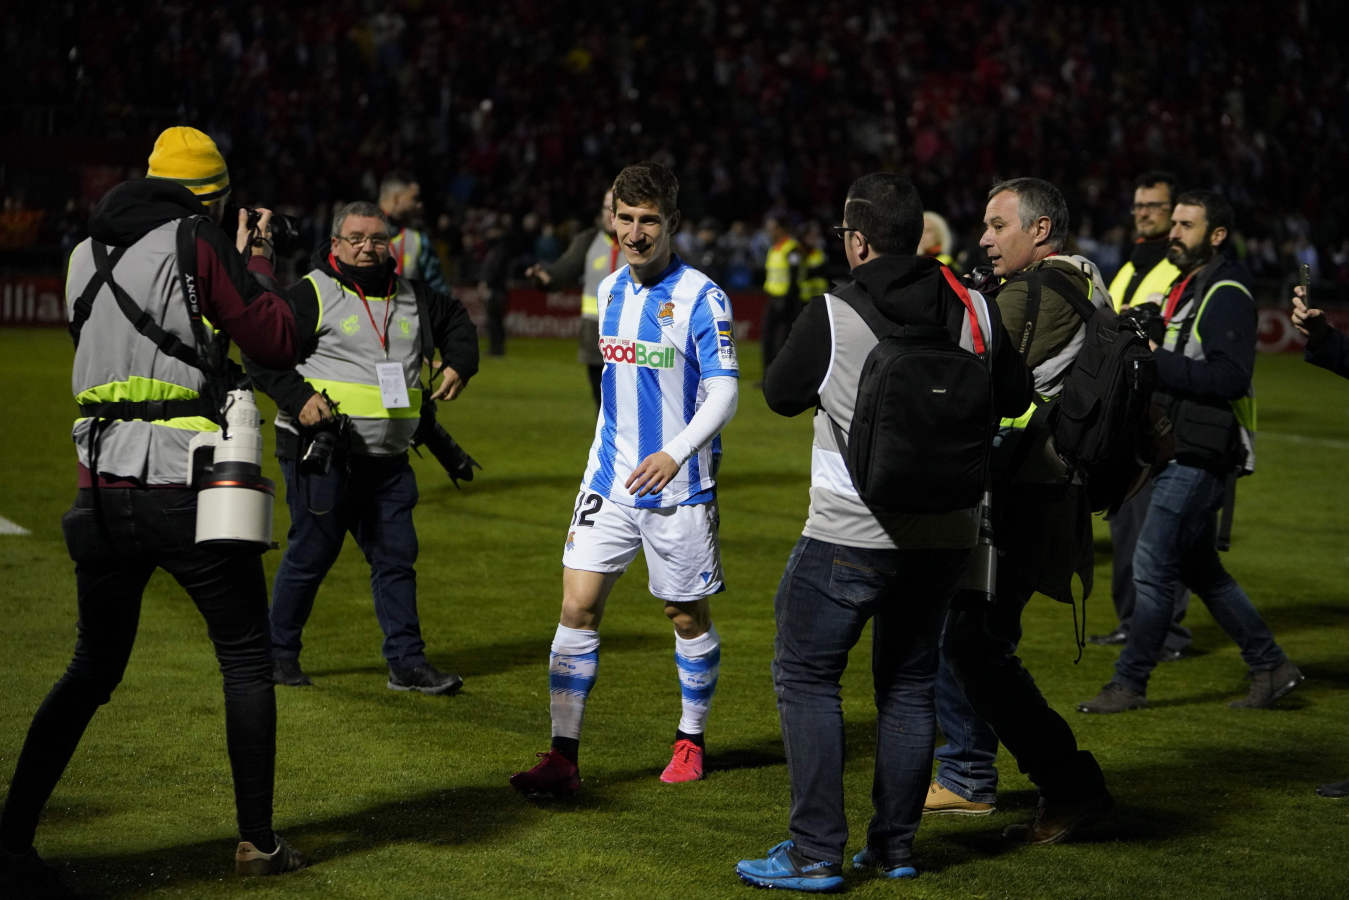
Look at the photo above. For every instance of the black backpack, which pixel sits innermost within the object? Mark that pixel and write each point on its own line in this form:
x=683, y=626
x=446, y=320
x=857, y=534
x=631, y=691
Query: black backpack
x=1100, y=421
x=923, y=419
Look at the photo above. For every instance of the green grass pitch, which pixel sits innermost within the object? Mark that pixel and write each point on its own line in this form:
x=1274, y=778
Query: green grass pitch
x=398, y=795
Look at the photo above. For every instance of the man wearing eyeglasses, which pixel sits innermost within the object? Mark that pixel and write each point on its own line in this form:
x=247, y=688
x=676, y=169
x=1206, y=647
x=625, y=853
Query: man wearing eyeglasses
x=854, y=563
x=1143, y=279
x=364, y=361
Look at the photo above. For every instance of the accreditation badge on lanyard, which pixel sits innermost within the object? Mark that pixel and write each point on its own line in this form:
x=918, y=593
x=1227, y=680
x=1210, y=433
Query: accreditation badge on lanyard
x=393, y=387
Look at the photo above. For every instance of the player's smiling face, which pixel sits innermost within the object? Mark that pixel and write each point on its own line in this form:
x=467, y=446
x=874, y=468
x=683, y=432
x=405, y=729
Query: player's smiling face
x=644, y=234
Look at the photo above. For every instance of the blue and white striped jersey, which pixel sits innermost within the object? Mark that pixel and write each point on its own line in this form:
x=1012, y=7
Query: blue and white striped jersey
x=658, y=344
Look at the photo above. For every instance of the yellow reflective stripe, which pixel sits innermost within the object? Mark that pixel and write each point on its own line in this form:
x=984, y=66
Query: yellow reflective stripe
x=138, y=388
x=1120, y=282
x=318, y=295
x=183, y=423
x=1203, y=303
x=135, y=388
x=590, y=305
x=364, y=400
x=1244, y=407
x=1021, y=421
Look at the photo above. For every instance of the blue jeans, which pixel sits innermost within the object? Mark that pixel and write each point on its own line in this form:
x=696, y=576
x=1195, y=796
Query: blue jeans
x=1176, y=546
x=827, y=594
x=374, y=501
x=965, y=763
x=1125, y=526
x=116, y=550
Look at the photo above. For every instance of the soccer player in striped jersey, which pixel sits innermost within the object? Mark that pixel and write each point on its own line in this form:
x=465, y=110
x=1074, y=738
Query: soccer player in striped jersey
x=669, y=387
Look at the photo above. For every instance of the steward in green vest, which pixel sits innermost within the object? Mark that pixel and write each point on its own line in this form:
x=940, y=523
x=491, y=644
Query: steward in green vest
x=1147, y=274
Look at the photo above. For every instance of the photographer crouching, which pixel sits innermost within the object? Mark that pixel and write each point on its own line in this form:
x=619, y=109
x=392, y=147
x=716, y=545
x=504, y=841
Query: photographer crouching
x=346, y=416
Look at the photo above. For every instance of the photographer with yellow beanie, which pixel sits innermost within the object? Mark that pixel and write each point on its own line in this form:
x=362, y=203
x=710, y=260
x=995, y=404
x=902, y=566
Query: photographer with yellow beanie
x=154, y=295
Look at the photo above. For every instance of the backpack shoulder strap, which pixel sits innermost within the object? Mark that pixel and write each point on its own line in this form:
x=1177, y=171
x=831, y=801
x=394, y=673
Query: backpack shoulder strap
x=139, y=318
x=865, y=307
x=976, y=330
x=1070, y=292
x=84, y=305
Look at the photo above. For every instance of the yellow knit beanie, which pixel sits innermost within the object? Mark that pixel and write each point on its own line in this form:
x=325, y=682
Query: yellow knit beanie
x=189, y=157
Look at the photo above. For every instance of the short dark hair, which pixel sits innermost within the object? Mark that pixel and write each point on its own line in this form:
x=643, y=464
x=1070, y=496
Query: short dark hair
x=1037, y=197
x=1217, y=210
x=362, y=208
x=886, y=209
x=647, y=183
x=1155, y=177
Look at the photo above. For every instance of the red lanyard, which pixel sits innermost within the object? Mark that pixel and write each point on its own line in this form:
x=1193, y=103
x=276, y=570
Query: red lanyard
x=1173, y=298
x=388, y=308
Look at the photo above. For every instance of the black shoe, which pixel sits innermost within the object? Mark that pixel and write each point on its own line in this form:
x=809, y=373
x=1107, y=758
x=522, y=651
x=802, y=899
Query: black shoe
x=249, y=860
x=1170, y=656
x=287, y=671
x=1336, y=791
x=1118, y=636
x=1270, y=685
x=26, y=875
x=1057, y=820
x=425, y=678
x=1113, y=698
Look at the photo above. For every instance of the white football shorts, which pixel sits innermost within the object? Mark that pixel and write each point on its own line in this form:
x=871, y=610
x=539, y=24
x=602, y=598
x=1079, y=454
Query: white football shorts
x=683, y=555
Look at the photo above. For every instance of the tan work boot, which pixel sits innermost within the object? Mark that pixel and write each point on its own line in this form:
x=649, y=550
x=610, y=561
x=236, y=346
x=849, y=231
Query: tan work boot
x=943, y=802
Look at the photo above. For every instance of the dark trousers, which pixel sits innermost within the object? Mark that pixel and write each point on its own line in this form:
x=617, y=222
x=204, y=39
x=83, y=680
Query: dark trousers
x=1125, y=526
x=372, y=499
x=145, y=530
x=497, y=302
x=980, y=644
x=778, y=315
x=827, y=594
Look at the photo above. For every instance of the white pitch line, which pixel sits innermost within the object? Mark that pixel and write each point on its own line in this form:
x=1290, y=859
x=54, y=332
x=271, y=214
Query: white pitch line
x=8, y=527
x=1302, y=439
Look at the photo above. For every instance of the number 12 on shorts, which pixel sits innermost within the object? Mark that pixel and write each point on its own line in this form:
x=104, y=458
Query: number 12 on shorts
x=582, y=514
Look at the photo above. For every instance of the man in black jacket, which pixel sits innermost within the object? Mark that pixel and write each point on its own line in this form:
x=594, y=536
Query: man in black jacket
x=1204, y=368
x=366, y=360
x=853, y=564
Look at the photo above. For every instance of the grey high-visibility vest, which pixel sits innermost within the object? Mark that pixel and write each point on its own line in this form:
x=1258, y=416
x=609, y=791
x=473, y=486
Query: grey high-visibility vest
x=837, y=513
x=1182, y=334
x=114, y=362
x=343, y=363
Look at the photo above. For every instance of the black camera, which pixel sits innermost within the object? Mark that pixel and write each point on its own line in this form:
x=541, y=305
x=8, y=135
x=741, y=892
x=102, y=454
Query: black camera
x=1147, y=318
x=285, y=229
x=981, y=279
x=327, y=443
x=453, y=458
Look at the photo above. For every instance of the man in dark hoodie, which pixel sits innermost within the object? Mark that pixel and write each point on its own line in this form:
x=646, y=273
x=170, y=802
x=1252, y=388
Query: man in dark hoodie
x=365, y=360
x=135, y=511
x=851, y=565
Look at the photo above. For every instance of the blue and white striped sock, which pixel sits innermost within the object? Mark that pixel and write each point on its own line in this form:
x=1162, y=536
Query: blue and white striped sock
x=571, y=675
x=699, y=663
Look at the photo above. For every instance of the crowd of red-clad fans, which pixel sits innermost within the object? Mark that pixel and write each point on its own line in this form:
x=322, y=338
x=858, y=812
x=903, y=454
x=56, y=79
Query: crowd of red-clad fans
x=515, y=115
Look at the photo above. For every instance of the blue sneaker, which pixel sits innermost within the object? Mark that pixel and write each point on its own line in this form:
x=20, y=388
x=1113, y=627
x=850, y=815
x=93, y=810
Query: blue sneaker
x=785, y=868
x=865, y=859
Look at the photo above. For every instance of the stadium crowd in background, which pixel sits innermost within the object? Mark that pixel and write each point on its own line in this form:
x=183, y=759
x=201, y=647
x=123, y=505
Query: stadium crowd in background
x=771, y=109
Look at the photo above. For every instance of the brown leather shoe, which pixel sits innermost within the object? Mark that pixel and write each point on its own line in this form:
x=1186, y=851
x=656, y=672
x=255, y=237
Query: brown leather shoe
x=941, y=801
x=1056, y=820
